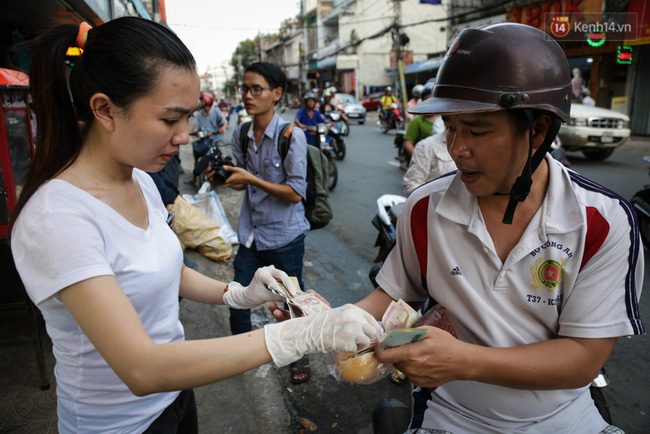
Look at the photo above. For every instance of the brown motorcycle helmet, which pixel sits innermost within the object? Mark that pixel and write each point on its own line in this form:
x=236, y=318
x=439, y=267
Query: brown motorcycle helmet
x=500, y=67
x=505, y=66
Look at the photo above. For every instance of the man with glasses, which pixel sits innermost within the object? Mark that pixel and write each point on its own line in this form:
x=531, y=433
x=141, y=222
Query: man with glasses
x=272, y=222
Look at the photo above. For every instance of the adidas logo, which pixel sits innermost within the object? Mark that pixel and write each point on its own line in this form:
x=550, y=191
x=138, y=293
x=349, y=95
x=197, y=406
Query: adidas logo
x=456, y=272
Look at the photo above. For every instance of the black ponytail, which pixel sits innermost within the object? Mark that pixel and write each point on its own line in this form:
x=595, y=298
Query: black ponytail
x=122, y=59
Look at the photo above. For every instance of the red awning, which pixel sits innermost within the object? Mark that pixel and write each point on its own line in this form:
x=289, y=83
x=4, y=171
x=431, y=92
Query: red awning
x=12, y=78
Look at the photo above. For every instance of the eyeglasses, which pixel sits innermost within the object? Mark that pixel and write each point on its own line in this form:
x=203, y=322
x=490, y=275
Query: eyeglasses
x=255, y=90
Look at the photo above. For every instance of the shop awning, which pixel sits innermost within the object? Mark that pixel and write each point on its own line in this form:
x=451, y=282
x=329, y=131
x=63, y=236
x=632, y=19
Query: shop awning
x=426, y=65
x=11, y=78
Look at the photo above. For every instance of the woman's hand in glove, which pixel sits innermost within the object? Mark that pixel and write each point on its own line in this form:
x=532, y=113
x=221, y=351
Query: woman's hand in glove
x=345, y=328
x=259, y=290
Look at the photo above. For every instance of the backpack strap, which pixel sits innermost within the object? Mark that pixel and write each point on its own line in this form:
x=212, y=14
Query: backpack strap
x=285, y=140
x=243, y=140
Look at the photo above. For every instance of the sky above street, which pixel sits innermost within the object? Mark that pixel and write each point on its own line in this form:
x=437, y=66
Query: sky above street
x=212, y=29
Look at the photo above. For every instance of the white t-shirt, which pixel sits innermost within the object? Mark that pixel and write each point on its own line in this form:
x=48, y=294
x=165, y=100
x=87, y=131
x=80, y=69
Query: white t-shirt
x=577, y=271
x=65, y=235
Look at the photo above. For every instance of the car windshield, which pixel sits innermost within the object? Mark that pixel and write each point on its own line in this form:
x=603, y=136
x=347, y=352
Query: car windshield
x=347, y=99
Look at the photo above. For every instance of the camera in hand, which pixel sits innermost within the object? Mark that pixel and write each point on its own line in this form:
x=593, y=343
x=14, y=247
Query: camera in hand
x=215, y=159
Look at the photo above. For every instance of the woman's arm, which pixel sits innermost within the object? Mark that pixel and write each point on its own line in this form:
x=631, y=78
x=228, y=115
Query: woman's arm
x=198, y=287
x=108, y=318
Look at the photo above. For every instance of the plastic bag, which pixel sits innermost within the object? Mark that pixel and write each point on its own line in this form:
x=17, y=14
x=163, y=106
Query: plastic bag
x=361, y=367
x=208, y=202
x=198, y=231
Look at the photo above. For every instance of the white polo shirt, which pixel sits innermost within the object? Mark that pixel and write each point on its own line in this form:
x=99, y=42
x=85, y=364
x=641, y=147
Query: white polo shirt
x=577, y=271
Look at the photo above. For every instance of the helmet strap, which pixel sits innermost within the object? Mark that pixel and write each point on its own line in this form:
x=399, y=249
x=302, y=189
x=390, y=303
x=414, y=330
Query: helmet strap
x=522, y=185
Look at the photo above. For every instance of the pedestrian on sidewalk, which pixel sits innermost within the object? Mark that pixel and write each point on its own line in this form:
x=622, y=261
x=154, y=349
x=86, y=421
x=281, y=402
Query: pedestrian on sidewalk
x=92, y=246
x=272, y=222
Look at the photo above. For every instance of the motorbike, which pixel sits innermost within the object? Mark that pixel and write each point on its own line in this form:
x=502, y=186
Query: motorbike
x=200, y=148
x=390, y=119
x=334, y=134
x=389, y=207
x=641, y=203
x=341, y=119
x=326, y=143
x=402, y=157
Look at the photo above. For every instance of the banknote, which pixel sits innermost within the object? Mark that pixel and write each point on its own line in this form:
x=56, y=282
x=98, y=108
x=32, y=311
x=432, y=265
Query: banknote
x=397, y=337
x=302, y=303
x=399, y=315
x=308, y=303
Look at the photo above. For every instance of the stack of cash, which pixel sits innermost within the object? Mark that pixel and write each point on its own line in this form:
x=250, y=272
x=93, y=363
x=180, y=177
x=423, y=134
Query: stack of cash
x=398, y=321
x=303, y=303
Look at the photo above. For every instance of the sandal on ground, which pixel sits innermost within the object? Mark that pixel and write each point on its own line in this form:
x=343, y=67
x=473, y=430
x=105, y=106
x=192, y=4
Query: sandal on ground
x=300, y=366
x=394, y=377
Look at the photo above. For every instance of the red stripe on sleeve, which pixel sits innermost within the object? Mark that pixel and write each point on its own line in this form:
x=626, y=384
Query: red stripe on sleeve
x=419, y=233
x=597, y=231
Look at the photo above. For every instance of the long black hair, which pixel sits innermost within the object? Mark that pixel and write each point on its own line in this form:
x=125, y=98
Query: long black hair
x=122, y=59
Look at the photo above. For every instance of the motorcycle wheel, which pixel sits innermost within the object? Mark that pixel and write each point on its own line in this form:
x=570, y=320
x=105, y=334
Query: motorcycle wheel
x=598, y=396
x=340, y=149
x=333, y=175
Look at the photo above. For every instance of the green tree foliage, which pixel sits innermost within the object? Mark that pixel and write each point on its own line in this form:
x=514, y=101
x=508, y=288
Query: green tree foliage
x=245, y=52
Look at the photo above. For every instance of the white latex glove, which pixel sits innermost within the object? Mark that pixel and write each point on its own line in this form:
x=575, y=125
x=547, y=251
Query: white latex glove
x=345, y=328
x=258, y=292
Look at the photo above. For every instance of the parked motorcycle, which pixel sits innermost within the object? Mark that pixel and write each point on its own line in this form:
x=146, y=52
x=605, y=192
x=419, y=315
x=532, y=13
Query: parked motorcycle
x=326, y=143
x=390, y=119
x=641, y=203
x=389, y=207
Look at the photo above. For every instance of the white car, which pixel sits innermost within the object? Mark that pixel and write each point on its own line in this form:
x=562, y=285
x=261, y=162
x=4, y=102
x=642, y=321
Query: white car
x=595, y=131
x=353, y=109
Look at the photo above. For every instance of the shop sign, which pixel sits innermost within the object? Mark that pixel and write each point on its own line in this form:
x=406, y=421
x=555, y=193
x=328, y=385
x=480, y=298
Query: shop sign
x=619, y=104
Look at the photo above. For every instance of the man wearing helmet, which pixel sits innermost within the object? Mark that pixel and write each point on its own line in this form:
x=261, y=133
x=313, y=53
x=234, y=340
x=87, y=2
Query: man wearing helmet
x=208, y=120
x=539, y=269
x=308, y=117
x=415, y=99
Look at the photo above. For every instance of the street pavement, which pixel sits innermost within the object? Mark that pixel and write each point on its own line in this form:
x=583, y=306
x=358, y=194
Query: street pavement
x=261, y=400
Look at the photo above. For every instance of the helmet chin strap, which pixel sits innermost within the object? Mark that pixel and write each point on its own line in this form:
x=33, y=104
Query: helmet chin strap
x=522, y=185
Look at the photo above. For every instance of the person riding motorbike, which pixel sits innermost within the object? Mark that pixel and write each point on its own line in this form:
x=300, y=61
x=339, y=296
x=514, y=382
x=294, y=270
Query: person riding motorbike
x=211, y=123
x=385, y=112
x=308, y=117
x=415, y=99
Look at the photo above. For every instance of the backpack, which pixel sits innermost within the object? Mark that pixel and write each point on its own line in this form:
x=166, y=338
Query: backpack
x=318, y=208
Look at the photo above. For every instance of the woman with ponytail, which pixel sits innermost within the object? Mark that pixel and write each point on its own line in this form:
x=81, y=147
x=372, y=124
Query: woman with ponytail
x=92, y=247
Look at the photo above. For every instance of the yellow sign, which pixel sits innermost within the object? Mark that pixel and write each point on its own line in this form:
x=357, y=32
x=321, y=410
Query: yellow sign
x=619, y=104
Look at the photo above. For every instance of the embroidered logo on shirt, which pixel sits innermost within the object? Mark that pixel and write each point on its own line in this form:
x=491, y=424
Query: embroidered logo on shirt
x=546, y=273
x=456, y=272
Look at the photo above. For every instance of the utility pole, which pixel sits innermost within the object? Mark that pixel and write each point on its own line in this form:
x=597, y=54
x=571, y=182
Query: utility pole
x=399, y=39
